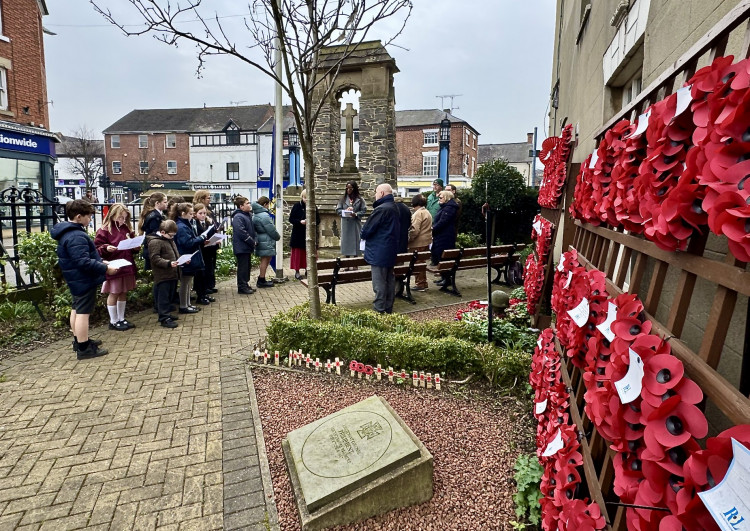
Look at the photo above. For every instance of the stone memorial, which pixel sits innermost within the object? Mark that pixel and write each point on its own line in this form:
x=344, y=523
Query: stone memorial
x=356, y=463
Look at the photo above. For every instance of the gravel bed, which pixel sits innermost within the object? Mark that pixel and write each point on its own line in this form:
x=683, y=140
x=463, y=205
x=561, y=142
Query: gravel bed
x=443, y=313
x=473, y=435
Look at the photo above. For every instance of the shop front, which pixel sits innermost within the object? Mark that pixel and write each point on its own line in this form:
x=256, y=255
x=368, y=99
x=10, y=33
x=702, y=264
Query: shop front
x=27, y=157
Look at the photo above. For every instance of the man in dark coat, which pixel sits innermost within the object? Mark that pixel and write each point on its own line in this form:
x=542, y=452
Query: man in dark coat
x=444, y=229
x=381, y=235
x=404, y=218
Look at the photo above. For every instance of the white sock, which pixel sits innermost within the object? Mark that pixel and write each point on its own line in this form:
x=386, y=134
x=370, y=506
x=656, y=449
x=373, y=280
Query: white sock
x=112, y=314
x=121, y=310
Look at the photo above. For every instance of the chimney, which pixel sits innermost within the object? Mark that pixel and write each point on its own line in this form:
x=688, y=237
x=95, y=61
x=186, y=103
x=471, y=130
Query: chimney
x=530, y=138
x=447, y=111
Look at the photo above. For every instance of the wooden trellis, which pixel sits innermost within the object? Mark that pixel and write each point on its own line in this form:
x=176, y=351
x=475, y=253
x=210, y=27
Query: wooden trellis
x=625, y=260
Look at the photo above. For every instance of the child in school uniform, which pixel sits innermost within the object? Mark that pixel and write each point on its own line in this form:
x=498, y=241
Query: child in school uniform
x=188, y=242
x=201, y=284
x=163, y=253
x=83, y=270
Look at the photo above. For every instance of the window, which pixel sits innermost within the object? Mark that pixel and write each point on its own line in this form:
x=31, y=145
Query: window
x=142, y=141
x=3, y=89
x=233, y=171
x=233, y=135
x=172, y=141
x=143, y=167
x=116, y=167
x=429, y=164
x=114, y=141
x=631, y=90
x=467, y=138
x=431, y=137
x=172, y=167
x=57, y=174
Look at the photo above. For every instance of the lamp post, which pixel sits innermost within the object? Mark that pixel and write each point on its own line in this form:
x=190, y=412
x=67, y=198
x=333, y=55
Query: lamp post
x=445, y=148
x=294, y=177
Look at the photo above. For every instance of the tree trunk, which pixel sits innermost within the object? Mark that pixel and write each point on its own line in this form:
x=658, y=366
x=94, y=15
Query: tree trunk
x=311, y=239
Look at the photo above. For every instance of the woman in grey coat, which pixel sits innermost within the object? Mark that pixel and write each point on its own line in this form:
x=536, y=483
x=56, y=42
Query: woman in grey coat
x=353, y=208
x=265, y=246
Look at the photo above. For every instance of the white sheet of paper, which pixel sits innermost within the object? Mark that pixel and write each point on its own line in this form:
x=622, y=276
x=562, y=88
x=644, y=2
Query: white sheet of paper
x=642, y=124
x=729, y=501
x=131, y=243
x=184, y=258
x=537, y=227
x=362, y=245
x=594, y=159
x=580, y=314
x=629, y=388
x=541, y=407
x=567, y=282
x=349, y=214
x=205, y=232
x=605, y=327
x=684, y=97
x=120, y=262
x=554, y=446
x=216, y=238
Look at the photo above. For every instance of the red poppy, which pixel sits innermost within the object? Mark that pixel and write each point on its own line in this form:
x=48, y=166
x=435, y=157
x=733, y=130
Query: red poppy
x=533, y=279
x=554, y=155
x=581, y=516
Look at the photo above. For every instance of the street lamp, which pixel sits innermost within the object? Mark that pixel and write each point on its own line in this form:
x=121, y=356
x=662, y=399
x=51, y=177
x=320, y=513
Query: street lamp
x=294, y=177
x=445, y=148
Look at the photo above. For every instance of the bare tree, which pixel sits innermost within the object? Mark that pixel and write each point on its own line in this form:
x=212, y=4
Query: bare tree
x=298, y=29
x=85, y=156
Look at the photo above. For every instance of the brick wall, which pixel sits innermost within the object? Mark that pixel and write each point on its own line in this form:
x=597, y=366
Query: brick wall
x=23, y=57
x=410, y=142
x=157, y=155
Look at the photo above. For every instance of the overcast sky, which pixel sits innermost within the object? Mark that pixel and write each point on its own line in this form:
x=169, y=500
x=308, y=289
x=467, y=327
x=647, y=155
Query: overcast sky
x=497, y=54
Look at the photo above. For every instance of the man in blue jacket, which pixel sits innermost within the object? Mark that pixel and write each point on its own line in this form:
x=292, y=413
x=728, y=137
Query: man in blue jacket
x=381, y=235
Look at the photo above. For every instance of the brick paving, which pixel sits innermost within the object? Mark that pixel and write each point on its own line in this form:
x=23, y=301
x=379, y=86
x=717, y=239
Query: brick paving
x=163, y=432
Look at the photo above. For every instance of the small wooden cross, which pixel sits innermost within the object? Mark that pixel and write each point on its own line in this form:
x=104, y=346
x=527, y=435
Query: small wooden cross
x=276, y=358
x=429, y=380
x=421, y=379
x=337, y=363
x=308, y=360
x=328, y=365
x=390, y=374
x=378, y=372
x=437, y=381
x=290, y=359
x=415, y=378
x=266, y=355
x=317, y=364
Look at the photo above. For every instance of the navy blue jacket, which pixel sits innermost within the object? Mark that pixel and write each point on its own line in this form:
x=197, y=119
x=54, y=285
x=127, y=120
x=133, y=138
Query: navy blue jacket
x=404, y=218
x=187, y=243
x=243, y=232
x=381, y=233
x=444, y=228
x=81, y=265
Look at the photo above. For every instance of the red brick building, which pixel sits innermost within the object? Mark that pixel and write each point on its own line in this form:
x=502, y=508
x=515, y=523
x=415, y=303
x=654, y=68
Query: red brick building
x=24, y=118
x=417, y=135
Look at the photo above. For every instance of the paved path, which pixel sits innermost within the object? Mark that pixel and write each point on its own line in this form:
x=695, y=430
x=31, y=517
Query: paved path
x=162, y=433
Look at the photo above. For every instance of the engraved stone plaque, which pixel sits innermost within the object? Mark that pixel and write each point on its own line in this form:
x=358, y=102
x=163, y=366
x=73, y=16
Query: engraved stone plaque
x=339, y=453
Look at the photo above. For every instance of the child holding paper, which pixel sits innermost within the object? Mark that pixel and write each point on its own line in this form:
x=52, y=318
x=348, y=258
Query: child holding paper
x=201, y=224
x=115, y=228
x=164, y=254
x=188, y=242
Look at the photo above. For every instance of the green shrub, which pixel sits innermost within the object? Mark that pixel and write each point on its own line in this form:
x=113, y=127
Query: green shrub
x=518, y=293
x=528, y=475
x=226, y=262
x=38, y=250
x=518, y=314
x=504, y=367
x=10, y=311
x=467, y=239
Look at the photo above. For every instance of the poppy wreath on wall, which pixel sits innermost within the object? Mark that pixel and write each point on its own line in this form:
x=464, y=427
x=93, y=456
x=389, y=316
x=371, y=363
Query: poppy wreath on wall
x=541, y=233
x=533, y=278
x=687, y=168
x=653, y=429
x=554, y=155
x=558, y=446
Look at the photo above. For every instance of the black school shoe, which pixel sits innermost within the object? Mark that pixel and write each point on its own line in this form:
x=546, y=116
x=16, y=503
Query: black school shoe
x=212, y=290
x=245, y=291
x=119, y=326
x=190, y=309
x=265, y=283
x=95, y=342
x=127, y=323
x=169, y=323
x=92, y=351
x=203, y=301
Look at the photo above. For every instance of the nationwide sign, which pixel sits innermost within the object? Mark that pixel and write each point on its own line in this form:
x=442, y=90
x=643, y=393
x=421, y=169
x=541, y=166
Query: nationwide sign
x=40, y=145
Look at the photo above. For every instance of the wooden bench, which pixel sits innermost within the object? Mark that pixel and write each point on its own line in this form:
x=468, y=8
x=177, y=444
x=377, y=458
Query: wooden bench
x=454, y=260
x=337, y=271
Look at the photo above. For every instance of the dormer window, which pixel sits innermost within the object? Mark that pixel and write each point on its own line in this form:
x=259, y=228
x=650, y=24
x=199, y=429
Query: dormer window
x=233, y=134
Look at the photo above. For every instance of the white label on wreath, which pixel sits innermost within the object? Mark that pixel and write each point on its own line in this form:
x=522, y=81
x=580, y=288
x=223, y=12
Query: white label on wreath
x=537, y=227
x=642, y=124
x=594, y=159
x=561, y=265
x=555, y=445
x=567, y=282
x=728, y=501
x=606, y=327
x=539, y=342
x=684, y=97
x=541, y=407
x=580, y=314
x=629, y=388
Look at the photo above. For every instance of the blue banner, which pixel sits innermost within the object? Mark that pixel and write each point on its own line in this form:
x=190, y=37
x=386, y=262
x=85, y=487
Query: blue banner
x=40, y=145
